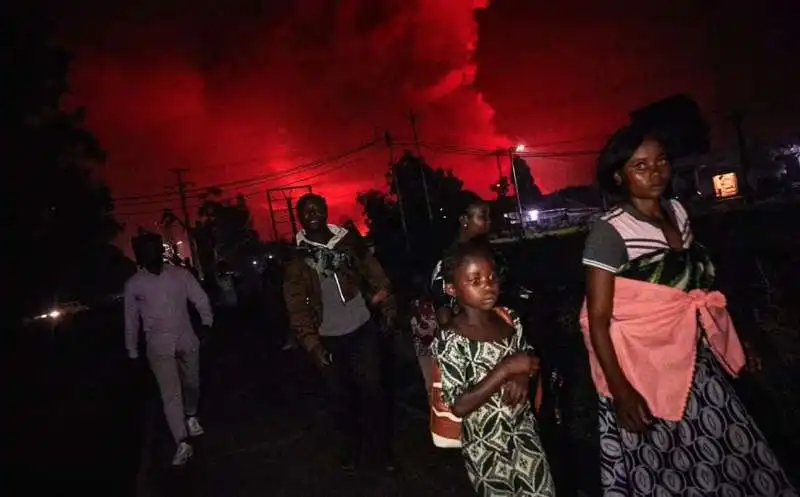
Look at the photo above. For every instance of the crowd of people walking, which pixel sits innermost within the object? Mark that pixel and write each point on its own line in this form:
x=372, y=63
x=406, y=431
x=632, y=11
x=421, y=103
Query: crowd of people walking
x=661, y=346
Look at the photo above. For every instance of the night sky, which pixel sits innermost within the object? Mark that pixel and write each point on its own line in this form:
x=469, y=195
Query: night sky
x=239, y=90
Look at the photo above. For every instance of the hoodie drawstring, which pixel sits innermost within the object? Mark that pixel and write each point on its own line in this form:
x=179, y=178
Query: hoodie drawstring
x=339, y=287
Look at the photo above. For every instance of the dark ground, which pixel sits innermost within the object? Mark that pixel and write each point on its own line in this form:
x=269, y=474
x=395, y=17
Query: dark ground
x=267, y=427
x=78, y=414
x=268, y=433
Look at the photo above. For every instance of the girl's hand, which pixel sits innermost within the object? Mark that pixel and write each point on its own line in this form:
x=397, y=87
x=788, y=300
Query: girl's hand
x=515, y=390
x=520, y=363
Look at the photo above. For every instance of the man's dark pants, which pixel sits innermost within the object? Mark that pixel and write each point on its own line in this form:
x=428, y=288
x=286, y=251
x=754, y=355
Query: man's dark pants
x=357, y=396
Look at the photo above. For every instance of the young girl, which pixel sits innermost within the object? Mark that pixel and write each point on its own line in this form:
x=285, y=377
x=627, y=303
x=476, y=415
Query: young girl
x=486, y=367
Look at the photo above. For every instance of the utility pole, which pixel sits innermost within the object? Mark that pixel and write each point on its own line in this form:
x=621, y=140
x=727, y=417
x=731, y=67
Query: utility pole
x=390, y=146
x=290, y=210
x=744, y=158
x=516, y=191
x=502, y=181
x=272, y=217
x=181, y=185
x=413, y=119
x=281, y=217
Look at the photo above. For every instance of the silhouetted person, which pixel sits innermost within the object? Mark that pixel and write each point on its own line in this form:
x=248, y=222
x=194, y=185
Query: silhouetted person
x=475, y=222
x=157, y=296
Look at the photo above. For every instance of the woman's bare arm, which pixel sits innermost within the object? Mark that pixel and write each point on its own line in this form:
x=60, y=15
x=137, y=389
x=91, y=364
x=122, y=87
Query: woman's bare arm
x=599, y=304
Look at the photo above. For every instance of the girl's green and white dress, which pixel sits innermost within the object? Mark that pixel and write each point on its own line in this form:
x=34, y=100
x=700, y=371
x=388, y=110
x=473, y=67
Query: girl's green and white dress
x=501, y=446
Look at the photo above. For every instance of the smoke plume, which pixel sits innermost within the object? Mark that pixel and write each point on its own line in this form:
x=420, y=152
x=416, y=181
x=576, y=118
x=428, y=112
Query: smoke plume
x=233, y=92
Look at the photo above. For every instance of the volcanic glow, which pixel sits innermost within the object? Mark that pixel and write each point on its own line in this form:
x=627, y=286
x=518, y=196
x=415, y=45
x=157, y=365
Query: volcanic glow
x=320, y=81
x=236, y=90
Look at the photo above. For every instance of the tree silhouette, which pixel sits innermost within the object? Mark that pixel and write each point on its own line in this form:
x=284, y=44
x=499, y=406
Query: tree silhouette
x=223, y=230
x=526, y=186
x=579, y=196
x=405, y=186
x=57, y=215
x=383, y=220
x=500, y=187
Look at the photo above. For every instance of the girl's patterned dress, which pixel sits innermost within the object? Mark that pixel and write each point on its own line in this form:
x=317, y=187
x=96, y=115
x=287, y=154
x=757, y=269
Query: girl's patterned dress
x=500, y=444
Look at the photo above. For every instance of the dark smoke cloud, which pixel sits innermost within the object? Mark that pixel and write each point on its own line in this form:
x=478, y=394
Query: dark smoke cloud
x=256, y=88
x=241, y=88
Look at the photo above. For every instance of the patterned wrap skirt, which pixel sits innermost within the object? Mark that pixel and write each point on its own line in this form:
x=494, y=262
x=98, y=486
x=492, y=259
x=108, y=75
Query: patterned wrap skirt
x=715, y=450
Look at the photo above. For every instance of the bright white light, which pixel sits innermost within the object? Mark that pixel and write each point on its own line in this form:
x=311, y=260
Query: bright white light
x=520, y=148
x=54, y=314
x=270, y=256
x=255, y=263
x=533, y=215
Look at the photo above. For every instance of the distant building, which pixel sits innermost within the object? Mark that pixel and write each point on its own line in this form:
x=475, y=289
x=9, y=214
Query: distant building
x=712, y=176
x=717, y=176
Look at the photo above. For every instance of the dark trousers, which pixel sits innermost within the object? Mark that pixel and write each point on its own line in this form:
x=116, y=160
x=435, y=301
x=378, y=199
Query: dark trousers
x=357, y=396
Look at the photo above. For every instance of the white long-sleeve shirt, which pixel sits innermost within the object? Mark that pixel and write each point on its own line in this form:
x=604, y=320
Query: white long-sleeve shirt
x=160, y=302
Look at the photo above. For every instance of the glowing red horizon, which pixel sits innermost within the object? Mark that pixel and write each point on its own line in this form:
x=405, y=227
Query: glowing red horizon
x=232, y=95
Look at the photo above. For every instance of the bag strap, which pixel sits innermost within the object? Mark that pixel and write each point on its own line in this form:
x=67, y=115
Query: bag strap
x=505, y=313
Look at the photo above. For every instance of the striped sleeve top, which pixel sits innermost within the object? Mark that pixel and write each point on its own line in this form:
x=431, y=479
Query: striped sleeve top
x=622, y=235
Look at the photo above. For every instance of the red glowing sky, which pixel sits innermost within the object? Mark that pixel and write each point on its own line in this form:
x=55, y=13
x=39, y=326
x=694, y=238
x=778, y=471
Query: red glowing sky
x=234, y=90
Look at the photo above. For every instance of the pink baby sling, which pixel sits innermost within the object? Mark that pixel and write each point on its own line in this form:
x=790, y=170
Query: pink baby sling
x=654, y=329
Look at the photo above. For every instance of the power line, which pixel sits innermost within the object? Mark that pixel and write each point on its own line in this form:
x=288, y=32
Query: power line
x=245, y=195
x=252, y=181
x=487, y=152
x=160, y=198
x=259, y=180
x=181, y=185
x=133, y=198
x=454, y=150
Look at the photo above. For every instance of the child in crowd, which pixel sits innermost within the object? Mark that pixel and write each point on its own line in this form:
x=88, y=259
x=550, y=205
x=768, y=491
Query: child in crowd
x=486, y=367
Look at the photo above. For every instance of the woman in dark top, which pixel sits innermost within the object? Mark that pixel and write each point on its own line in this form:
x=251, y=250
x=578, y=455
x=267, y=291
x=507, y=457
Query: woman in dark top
x=715, y=448
x=473, y=223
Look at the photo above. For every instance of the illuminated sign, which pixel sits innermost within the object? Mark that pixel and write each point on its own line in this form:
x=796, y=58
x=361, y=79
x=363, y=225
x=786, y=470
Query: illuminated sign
x=726, y=185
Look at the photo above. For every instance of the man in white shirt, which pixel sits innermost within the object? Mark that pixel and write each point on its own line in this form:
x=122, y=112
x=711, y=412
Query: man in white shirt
x=157, y=297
